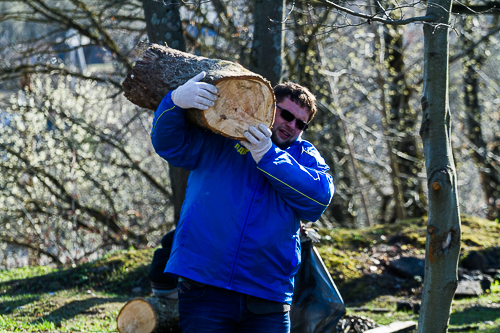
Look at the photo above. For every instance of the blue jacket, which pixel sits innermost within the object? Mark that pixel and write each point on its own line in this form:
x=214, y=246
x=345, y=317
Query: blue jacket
x=240, y=221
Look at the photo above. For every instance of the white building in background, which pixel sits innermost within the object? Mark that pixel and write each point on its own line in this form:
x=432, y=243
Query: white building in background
x=83, y=54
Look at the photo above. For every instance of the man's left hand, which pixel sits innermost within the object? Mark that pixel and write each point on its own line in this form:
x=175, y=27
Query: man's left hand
x=259, y=141
x=307, y=232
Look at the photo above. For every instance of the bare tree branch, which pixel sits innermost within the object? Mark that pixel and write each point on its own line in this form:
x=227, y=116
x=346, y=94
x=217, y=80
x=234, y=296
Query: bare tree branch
x=373, y=18
x=29, y=245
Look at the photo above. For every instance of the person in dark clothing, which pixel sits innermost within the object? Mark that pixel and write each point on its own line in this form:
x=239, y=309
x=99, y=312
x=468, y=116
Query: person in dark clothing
x=163, y=285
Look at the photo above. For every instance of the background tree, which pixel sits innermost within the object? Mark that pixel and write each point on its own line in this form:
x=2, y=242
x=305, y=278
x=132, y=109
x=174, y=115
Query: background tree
x=332, y=52
x=164, y=25
x=114, y=30
x=75, y=184
x=266, y=57
x=73, y=188
x=443, y=228
x=484, y=153
x=400, y=122
x=443, y=242
x=306, y=63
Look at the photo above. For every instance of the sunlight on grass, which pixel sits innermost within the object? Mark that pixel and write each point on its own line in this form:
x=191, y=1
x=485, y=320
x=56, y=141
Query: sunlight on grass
x=495, y=287
x=481, y=312
x=24, y=272
x=88, y=297
x=10, y=325
x=63, y=311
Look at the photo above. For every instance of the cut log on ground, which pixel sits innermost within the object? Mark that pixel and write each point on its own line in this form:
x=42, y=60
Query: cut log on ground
x=147, y=315
x=244, y=98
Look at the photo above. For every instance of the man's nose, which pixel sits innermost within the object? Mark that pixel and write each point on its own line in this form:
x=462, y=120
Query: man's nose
x=291, y=124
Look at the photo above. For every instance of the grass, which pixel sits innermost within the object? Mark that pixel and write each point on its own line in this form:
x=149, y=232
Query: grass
x=348, y=254
x=64, y=311
x=476, y=313
x=88, y=297
x=85, y=298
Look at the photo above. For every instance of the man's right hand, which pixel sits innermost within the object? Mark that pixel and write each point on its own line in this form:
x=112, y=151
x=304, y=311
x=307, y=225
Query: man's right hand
x=194, y=94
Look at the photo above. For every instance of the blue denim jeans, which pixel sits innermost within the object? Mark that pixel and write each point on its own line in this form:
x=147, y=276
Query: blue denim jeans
x=210, y=309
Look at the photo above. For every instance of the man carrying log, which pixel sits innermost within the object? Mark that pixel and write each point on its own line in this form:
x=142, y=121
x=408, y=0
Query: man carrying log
x=236, y=247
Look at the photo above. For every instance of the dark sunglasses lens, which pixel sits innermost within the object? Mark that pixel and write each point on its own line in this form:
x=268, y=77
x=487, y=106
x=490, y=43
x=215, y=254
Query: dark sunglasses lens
x=287, y=115
x=300, y=125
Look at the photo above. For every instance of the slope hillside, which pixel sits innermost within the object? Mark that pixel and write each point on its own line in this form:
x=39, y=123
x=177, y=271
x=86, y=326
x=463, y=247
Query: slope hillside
x=360, y=261
x=88, y=297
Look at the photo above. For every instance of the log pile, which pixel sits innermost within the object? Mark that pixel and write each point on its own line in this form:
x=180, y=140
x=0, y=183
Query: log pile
x=244, y=98
x=354, y=324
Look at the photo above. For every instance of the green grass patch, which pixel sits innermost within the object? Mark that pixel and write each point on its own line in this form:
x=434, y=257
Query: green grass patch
x=85, y=298
x=88, y=297
x=482, y=312
x=24, y=272
x=119, y=272
x=64, y=311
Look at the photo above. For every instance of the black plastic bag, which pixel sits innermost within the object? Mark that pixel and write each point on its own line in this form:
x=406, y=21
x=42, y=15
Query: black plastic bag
x=317, y=305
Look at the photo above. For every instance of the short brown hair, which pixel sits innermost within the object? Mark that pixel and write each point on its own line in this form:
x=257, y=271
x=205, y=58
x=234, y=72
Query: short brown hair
x=297, y=94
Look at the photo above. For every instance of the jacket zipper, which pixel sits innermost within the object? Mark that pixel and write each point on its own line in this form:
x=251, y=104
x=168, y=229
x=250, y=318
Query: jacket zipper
x=230, y=281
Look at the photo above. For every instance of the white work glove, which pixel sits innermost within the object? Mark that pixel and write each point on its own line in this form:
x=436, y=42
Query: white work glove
x=308, y=232
x=259, y=141
x=194, y=94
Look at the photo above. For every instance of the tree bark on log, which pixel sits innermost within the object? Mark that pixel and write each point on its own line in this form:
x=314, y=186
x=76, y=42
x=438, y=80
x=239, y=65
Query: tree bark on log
x=244, y=98
x=147, y=315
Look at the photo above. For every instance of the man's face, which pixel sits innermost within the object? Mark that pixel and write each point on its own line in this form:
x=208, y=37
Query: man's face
x=286, y=132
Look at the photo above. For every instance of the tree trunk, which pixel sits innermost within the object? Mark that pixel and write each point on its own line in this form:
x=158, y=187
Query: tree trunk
x=340, y=209
x=402, y=120
x=397, y=189
x=178, y=182
x=149, y=315
x=163, y=22
x=244, y=98
x=489, y=169
x=266, y=57
x=443, y=230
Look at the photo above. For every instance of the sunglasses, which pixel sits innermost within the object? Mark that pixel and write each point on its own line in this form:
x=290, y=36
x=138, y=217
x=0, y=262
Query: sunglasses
x=288, y=116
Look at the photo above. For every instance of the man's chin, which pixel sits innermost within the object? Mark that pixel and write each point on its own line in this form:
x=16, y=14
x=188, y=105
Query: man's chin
x=281, y=143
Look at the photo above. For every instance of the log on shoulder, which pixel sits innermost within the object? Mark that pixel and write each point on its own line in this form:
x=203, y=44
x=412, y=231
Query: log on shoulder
x=147, y=315
x=244, y=98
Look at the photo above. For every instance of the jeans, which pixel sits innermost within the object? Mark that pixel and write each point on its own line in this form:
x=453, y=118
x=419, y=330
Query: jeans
x=211, y=309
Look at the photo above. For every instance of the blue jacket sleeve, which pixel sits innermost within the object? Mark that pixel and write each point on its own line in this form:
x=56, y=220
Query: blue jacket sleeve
x=175, y=140
x=304, y=183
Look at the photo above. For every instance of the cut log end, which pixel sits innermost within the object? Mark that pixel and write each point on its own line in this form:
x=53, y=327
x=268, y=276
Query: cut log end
x=136, y=316
x=244, y=98
x=242, y=102
x=147, y=315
